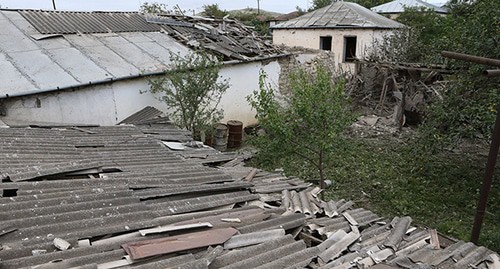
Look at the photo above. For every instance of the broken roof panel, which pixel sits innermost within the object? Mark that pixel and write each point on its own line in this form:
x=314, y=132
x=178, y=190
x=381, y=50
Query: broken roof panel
x=340, y=14
x=98, y=211
x=146, y=114
x=84, y=48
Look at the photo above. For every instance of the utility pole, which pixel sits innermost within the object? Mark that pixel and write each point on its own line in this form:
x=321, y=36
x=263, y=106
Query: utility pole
x=54, y=4
x=494, y=146
x=258, y=7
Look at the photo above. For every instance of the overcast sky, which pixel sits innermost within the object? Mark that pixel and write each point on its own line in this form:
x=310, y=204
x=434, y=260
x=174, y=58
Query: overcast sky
x=282, y=6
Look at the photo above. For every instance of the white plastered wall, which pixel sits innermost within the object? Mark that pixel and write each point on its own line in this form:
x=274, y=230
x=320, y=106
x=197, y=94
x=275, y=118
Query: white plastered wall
x=310, y=38
x=109, y=104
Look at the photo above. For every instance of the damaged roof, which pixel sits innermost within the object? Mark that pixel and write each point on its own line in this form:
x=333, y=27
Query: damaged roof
x=399, y=6
x=340, y=14
x=117, y=197
x=43, y=51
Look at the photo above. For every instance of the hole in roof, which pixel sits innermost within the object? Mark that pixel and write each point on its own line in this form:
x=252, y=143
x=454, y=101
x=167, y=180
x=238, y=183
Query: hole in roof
x=9, y=193
x=89, y=146
x=111, y=170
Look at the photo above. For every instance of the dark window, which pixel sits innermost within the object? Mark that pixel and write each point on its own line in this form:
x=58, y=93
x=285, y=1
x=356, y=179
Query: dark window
x=349, y=48
x=325, y=42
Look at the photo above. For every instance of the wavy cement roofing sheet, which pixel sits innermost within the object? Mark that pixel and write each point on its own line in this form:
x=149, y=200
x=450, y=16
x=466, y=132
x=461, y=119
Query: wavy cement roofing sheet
x=340, y=15
x=399, y=6
x=109, y=209
x=73, y=59
x=69, y=22
x=42, y=51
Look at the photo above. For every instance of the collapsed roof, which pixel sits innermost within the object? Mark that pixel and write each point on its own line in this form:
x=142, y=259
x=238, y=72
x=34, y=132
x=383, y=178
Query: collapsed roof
x=44, y=51
x=117, y=197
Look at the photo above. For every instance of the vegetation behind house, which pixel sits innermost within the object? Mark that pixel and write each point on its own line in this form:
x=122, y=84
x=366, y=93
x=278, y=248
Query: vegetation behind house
x=435, y=173
x=193, y=90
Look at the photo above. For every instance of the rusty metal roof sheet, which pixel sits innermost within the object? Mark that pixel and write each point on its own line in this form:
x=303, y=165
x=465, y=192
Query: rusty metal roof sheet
x=172, y=244
x=339, y=14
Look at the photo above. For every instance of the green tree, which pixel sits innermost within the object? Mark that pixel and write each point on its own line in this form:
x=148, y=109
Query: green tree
x=259, y=22
x=370, y=3
x=153, y=8
x=467, y=110
x=316, y=4
x=159, y=8
x=308, y=124
x=214, y=11
x=193, y=91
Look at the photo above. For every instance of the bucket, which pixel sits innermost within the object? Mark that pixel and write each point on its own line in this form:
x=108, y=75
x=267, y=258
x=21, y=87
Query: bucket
x=220, y=137
x=235, y=133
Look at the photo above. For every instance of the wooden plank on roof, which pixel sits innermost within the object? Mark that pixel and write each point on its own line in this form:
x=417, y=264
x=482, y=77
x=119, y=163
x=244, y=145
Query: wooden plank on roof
x=172, y=244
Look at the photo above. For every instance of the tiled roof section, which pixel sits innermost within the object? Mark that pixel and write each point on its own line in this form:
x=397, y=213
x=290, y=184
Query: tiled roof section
x=70, y=22
x=340, y=14
x=399, y=6
x=144, y=194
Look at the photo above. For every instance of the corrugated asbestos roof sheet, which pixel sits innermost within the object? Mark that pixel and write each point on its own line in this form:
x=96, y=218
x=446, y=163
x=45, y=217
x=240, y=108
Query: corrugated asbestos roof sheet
x=399, y=6
x=51, y=50
x=68, y=22
x=148, y=114
x=340, y=15
x=116, y=197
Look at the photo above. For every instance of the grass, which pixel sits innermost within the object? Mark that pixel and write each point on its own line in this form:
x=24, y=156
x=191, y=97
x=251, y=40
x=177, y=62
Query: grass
x=439, y=191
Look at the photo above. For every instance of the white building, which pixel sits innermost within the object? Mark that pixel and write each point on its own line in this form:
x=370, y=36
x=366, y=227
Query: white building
x=347, y=29
x=394, y=8
x=92, y=67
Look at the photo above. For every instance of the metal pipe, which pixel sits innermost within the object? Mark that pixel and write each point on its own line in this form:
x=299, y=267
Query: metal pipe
x=471, y=58
x=54, y=4
x=492, y=73
x=488, y=178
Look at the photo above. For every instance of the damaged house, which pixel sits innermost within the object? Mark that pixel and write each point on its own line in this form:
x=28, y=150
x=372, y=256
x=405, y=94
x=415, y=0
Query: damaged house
x=347, y=29
x=92, y=67
x=120, y=197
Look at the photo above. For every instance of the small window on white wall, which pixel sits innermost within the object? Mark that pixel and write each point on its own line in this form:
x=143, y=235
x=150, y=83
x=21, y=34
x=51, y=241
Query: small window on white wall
x=325, y=42
x=350, y=48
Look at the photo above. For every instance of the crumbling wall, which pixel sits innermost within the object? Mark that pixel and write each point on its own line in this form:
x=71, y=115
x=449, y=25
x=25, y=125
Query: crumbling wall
x=307, y=60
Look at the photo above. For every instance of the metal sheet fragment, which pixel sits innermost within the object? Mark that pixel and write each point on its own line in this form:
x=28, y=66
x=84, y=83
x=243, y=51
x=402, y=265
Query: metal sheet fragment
x=149, y=248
